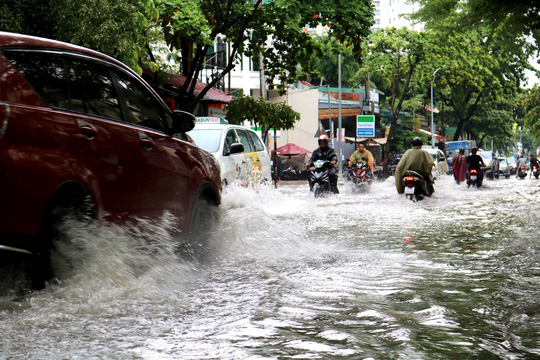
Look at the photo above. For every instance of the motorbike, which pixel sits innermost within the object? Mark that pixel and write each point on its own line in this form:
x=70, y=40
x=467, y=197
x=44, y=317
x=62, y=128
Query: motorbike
x=415, y=185
x=320, y=179
x=290, y=173
x=535, y=171
x=360, y=176
x=474, y=178
x=522, y=172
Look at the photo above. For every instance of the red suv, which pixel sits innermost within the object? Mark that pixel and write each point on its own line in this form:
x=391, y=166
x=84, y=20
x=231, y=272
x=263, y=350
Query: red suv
x=79, y=130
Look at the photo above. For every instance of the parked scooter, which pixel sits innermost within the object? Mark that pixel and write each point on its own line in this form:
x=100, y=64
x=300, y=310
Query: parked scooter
x=474, y=178
x=522, y=172
x=320, y=179
x=360, y=175
x=415, y=186
x=535, y=171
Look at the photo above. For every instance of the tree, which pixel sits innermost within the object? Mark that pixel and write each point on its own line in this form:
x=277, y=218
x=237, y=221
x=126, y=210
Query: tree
x=531, y=104
x=262, y=113
x=274, y=32
x=114, y=27
x=514, y=17
x=326, y=65
x=398, y=55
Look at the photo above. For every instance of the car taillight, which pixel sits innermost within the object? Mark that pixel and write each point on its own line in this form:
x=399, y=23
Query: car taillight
x=4, y=116
x=409, y=178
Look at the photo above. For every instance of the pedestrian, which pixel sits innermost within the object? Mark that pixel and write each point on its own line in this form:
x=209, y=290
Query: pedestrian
x=460, y=166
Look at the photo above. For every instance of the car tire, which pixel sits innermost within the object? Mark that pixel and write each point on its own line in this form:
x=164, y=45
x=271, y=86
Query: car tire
x=48, y=260
x=204, y=219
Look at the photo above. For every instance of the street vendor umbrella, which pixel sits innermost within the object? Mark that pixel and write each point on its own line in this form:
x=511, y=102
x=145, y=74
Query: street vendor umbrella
x=292, y=149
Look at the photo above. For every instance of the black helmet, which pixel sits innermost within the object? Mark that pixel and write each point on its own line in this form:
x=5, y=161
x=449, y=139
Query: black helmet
x=417, y=141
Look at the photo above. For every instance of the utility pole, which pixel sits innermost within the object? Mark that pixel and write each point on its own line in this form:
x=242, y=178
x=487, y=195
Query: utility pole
x=340, y=162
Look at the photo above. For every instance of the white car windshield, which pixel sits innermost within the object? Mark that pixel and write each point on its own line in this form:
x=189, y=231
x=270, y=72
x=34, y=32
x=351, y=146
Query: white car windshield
x=208, y=139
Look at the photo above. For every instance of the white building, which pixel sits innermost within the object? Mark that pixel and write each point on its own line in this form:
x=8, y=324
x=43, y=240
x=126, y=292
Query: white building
x=388, y=14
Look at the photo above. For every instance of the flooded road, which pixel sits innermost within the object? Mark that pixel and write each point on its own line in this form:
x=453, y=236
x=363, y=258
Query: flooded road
x=354, y=276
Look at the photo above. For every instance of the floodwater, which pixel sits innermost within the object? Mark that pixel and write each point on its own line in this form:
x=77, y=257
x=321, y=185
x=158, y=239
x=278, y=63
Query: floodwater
x=355, y=276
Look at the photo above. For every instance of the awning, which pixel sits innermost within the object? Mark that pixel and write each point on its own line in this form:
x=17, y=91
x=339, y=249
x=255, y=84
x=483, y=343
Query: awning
x=214, y=94
x=292, y=149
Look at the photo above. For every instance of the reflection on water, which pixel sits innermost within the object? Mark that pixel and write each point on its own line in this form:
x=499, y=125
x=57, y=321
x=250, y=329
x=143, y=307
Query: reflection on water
x=358, y=275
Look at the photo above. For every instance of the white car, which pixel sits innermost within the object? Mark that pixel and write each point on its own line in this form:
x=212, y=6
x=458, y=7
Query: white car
x=441, y=166
x=504, y=167
x=240, y=152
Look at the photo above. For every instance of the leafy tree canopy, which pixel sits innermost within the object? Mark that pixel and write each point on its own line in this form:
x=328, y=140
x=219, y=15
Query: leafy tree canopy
x=531, y=104
x=326, y=65
x=516, y=17
x=262, y=113
x=399, y=56
x=114, y=27
x=275, y=31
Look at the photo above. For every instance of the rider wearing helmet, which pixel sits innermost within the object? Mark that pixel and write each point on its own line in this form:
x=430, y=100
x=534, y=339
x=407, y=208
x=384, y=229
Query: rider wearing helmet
x=415, y=159
x=533, y=162
x=475, y=161
x=324, y=152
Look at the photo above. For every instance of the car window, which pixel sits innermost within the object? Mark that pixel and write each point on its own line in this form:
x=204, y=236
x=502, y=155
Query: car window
x=45, y=72
x=142, y=107
x=230, y=139
x=209, y=139
x=244, y=139
x=91, y=89
x=68, y=82
x=256, y=141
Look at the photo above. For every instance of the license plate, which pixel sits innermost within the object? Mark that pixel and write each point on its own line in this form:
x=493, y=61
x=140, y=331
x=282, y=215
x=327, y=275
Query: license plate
x=473, y=177
x=409, y=190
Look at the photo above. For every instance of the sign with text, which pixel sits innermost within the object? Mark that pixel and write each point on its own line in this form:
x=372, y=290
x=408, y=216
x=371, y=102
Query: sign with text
x=365, y=125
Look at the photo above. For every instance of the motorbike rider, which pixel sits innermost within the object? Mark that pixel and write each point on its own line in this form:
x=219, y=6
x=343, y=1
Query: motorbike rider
x=362, y=155
x=533, y=162
x=520, y=162
x=475, y=161
x=460, y=166
x=324, y=152
x=415, y=159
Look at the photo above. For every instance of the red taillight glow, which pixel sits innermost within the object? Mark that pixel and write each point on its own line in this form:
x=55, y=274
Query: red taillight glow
x=409, y=178
x=522, y=167
x=473, y=171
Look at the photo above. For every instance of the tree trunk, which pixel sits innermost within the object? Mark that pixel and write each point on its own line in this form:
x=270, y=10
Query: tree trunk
x=459, y=128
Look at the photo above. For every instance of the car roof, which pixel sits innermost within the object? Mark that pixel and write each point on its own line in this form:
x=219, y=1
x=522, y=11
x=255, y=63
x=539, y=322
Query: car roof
x=216, y=123
x=14, y=40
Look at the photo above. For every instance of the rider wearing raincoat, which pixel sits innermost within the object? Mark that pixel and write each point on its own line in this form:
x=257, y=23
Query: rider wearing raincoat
x=415, y=159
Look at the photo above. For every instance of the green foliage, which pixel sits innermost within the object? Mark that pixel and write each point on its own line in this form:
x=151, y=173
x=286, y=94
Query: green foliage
x=273, y=31
x=262, y=113
x=531, y=105
x=326, y=65
x=114, y=27
x=400, y=57
x=515, y=18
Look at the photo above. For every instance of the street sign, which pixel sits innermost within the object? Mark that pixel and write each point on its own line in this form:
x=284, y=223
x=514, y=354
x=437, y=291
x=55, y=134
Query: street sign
x=365, y=125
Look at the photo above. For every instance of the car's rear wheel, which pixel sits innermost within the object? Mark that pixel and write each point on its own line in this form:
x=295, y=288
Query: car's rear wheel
x=51, y=257
x=204, y=219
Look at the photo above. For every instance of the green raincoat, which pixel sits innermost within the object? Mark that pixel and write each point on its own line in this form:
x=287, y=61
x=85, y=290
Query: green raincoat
x=415, y=159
